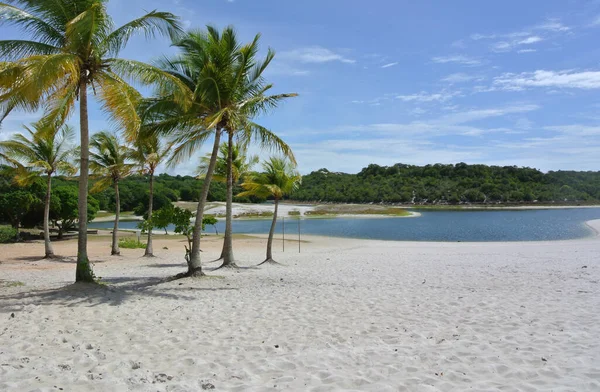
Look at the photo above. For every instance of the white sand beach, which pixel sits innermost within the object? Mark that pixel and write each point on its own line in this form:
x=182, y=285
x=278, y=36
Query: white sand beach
x=342, y=315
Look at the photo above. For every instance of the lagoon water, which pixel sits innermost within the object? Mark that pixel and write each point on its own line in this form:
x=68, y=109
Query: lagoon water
x=491, y=225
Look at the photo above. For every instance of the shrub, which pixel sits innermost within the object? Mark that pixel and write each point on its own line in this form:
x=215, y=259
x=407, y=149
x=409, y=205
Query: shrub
x=8, y=235
x=294, y=213
x=131, y=243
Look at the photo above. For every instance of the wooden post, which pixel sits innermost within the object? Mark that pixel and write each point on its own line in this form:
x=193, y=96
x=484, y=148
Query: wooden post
x=298, y=235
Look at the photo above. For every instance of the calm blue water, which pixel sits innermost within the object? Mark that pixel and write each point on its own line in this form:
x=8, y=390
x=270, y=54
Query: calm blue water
x=521, y=225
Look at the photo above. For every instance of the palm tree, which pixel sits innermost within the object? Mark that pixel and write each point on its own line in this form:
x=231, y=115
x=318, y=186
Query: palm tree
x=241, y=165
x=279, y=179
x=42, y=152
x=149, y=153
x=110, y=162
x=74, y=47
x=229, y=90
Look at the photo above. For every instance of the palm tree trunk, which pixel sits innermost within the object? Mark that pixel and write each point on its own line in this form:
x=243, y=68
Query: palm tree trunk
x=47, y=244
x=194, y=265
x=227, y=253
x=115, y=236
x=149, y=251
x=84, y=271
x=269, y=258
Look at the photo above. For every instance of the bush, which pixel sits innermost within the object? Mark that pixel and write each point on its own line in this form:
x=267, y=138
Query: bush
x=131, y=243
x=294, y=213
x=8, y=235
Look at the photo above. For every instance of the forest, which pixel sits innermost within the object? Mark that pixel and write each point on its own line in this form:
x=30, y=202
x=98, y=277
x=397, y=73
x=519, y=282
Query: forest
x=449, y=184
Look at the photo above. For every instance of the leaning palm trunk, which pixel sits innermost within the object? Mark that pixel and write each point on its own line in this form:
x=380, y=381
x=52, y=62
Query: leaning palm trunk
x=115, y=235
x=227, y=253
x=149, y=252
x=269, y=258
x=84, y=270
x=47, y=243
x=194, y=264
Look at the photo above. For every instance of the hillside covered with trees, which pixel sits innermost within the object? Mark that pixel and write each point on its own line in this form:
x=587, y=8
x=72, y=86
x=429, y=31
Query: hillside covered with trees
x=449, y=184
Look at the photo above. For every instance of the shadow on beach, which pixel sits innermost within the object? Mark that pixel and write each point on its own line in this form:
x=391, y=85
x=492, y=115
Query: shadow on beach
x=111, y=292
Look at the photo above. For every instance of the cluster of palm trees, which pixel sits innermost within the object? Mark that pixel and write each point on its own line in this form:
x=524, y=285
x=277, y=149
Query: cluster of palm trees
x=212, y=89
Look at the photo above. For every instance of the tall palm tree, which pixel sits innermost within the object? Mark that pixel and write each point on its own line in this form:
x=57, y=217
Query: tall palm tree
x=41, y=152
x=148, y=154
x=229, y=90
x=279, y=179
x=73, y=47
x=241, y=166
x=110, y=161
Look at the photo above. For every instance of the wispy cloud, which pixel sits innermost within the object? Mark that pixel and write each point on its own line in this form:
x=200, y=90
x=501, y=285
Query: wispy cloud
x=389, y=65
x=556, y=79
x=461, y=78
x=427, y=97
x=457, y=59
x=526, y=50
x=314, y=55
x=507, y=46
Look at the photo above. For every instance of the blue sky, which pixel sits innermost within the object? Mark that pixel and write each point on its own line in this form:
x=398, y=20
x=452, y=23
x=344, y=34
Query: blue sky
x=495, y=82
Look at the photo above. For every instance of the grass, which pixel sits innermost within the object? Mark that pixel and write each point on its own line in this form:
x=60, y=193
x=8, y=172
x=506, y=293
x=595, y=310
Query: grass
x=254, y=215
x=131, y=243
x=354, y=209
x=11, y=283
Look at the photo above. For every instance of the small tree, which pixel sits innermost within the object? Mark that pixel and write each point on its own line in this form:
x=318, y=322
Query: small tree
x=14, y=205
x=43, y=151
x=64, y=213
x=110, y=161
x=279, y=179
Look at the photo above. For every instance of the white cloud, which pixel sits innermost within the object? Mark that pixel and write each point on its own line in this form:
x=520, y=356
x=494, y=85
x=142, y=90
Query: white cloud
x=461, y=78
x=561, y=79
x=552, y=25
x=526, y=50
x=575, y=129
x=426, y=97
x=457, y=59
x=506, y=46
x=389, y=65
x=595, y=22
x=314, y=55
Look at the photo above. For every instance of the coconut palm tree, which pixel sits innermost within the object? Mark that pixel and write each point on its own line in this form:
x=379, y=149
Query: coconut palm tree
x=241, y=165
x=110, y=161
x=73, y=47
x=148, y=154
x=229, y=91
x=41, y=152
x=279, y=179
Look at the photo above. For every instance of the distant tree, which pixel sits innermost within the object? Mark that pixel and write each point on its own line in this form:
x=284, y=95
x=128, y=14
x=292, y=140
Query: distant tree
x=149, y=153
x=110, y=161
x=278, y=179
x=42, y=151
x=14, y=205
x=64, y=213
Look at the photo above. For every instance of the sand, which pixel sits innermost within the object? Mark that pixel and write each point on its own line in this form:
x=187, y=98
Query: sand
x=344, y=314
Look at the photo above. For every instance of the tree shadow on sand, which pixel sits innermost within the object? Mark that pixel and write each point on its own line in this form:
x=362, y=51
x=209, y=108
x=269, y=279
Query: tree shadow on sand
x=111, y=292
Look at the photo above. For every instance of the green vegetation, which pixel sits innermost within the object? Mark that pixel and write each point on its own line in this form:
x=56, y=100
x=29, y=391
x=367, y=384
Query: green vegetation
x=131, y=243
x=8, y=235
x=294, y=213
x=349, y=209
x=449, y=185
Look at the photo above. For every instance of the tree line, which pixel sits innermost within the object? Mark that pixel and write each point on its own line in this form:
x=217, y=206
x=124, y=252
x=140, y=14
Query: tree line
x=449, y=184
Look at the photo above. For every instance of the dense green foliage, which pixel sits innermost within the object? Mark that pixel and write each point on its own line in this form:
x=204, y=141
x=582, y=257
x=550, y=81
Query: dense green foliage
x=8, y=235
x=131, y=243
x=23, y=206
x=449, y=184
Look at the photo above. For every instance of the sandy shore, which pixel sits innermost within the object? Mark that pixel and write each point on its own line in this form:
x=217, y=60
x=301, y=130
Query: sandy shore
x=342, y=315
